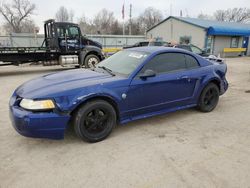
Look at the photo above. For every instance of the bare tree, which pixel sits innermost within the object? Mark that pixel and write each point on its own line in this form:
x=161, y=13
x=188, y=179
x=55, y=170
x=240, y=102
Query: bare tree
x=62, y=15
x=205, y=16
x=16, y=14
x=86, y=25
x=103, y=21
x=136, y=28
x=150, y=17
x=220, y=15
x=233, y=15
x=71, y=15
x=116, y=28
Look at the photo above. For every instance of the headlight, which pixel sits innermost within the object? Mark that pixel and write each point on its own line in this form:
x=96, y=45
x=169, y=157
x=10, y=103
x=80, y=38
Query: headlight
x=37, y=105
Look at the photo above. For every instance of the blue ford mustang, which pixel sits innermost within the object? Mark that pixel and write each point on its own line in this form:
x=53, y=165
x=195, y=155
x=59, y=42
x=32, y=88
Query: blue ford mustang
x=132, y=84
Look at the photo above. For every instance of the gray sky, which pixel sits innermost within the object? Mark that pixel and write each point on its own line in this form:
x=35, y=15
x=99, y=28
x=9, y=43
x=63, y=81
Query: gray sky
x=46, y=8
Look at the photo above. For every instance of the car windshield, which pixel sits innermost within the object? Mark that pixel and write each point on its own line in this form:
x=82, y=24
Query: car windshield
x=124, y=62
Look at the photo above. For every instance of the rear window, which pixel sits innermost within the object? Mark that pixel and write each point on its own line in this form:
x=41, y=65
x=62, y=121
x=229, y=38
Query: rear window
x=191, y=62
x=184, y=47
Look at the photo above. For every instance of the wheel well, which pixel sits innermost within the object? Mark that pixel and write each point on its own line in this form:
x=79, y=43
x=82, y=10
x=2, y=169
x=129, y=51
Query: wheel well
x=107, y=99
x=216, y=82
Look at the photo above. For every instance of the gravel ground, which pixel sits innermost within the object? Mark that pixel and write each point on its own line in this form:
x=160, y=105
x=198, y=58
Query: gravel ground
x=181, y=149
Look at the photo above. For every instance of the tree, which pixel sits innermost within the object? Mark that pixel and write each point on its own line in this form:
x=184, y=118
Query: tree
x=205, y=16
x=233, y=15
x=17, y=14
x=103, y=21
x=136, y=28
x=220, y=15
x=71, y=15
x=116, y=28
x=87, y=26
x=150, y=17
x=64, y=15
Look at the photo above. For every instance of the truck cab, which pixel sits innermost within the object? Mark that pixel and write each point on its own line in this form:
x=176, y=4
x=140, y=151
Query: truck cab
x=67, y=38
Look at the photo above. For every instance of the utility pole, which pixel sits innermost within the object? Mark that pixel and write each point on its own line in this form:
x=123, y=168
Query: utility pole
x=130, y=19
x=123, y=17
x=171, y=9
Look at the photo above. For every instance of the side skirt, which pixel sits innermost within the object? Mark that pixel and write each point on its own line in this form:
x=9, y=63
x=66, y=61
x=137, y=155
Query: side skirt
x=143, y=116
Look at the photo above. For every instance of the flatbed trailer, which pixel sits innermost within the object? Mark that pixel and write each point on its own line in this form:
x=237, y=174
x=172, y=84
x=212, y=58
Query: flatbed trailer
x=20, y=55
x=63, y=44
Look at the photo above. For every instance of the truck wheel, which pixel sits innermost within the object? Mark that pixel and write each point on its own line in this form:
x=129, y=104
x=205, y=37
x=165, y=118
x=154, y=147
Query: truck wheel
x=94, y=121
x=91, y=61
x=209, y=98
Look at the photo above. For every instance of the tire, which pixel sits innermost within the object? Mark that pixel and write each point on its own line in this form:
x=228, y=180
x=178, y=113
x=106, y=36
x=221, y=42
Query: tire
x=209, y=98
x=91, y=61
x=81, y=59
x=94, y=121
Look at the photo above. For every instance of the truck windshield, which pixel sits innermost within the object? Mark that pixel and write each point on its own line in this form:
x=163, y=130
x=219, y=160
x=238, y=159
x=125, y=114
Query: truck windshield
x=124, y=62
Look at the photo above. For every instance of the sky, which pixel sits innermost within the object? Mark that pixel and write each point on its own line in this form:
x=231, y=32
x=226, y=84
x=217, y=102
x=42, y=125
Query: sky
x=46, y=9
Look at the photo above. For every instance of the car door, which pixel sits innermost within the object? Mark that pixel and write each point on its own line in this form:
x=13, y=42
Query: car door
x=169, y=88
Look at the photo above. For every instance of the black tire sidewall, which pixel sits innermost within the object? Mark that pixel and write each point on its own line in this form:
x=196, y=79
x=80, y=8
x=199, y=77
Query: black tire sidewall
x=87, y=59
x=201, y=106
x=84, y=110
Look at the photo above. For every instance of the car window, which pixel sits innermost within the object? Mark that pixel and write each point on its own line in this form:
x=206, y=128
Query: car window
x=196, y=50
x=144, y=43
x=185, y=47
x=191, y=62
x=73, y=31
x=158, y=43
x=167, y=62
x=61, y=32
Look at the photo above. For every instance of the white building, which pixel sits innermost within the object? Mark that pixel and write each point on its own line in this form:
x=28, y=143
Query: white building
x=224, y=38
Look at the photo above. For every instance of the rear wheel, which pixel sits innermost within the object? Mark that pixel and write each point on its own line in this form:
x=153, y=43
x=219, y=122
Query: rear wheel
x=209, y=98
x=91, y=61
x=94, y=121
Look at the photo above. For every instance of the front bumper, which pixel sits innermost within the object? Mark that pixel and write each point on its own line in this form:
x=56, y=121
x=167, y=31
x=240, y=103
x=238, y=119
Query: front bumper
x=37, y=124
x=224, y=86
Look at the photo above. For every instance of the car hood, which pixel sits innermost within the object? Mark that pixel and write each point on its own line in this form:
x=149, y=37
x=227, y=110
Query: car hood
x=57, y=84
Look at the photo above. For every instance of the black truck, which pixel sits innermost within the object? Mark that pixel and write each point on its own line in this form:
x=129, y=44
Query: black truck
x=63, y=44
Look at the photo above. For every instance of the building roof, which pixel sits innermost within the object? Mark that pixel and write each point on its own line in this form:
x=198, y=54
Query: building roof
x=215, y=27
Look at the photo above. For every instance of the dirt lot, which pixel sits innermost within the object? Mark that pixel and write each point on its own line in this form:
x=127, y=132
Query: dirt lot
x=182, y=149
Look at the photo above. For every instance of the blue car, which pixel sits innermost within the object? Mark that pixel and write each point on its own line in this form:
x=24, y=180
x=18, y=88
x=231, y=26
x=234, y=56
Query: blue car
x=133, y=84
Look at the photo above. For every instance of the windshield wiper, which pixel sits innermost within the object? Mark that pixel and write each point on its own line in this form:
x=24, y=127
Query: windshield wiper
x=107, y=70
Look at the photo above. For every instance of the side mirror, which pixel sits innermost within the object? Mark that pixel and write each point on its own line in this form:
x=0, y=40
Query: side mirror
x=148, y=73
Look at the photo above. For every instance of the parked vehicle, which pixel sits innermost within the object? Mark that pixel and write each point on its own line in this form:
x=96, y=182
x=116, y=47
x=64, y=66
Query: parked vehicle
x=147, y=43
x=63, y=43
x=192, y=48
x=132, y=84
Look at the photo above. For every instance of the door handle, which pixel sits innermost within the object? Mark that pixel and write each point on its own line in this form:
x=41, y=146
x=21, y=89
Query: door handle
x=185, y=78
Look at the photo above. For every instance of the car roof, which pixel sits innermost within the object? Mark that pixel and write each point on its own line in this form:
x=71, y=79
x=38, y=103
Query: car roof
x=155, y=49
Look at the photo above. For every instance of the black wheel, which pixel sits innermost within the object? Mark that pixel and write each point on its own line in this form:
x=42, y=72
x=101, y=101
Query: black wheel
x=209, y=98
x=91, y=61
x=94, y=121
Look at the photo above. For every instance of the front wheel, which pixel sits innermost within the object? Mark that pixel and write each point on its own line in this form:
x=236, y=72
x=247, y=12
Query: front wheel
x=209, y=98
x=91, y=61
x=94, y=121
